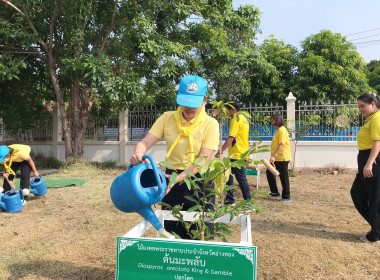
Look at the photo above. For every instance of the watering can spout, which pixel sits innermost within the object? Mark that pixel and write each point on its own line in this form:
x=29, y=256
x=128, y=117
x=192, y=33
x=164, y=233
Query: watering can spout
x=34, y=191
x=2, y=206
x=148, y=214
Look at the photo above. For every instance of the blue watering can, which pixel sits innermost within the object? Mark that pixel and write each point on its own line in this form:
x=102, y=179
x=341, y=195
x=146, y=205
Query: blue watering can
x=11, y=202
x=38, y=186
x=1, y=200
x=138, y=188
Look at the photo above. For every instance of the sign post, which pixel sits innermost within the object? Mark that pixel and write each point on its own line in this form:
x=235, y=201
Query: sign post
x=163, y=259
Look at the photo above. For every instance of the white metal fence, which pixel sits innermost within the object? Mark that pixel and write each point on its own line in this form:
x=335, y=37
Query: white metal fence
x=141, y=119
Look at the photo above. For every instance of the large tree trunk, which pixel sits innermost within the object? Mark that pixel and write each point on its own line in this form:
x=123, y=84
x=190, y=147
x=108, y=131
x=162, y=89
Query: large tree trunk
x=74, y=122
x=60, y=101
x=79, y=110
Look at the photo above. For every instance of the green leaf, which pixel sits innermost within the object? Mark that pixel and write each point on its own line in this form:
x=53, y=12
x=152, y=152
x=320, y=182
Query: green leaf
x=188, y=183
x=197, y=162
x=226, y=161
x=195, y=208
x=167, y=164
x=173, y=179
x=204, y=169
x=191, y=198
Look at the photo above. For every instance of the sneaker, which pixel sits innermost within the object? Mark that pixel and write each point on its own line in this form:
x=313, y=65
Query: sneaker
x=285, y=200
x=274, y=194
x=365, y=239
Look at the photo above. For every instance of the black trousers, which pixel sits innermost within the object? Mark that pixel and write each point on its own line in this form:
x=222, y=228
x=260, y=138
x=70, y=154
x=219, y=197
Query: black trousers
x=176, y=196
x=25, y=170
x=282, y=167
x=243, y=184
x=365, y=193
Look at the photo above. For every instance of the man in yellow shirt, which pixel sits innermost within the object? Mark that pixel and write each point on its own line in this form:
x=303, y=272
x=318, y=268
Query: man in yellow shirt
x=189, y=133
x=14, y=157
x=237, y=143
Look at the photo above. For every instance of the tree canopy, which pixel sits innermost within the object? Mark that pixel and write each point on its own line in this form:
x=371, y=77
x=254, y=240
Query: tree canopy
x=113, y=52
x=373, y=64
x=273, y=85
x=329, y=69
x=374, y=79
x=110, y=54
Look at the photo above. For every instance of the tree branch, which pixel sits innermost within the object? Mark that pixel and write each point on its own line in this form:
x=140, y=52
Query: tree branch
x=112, y=26
x=86, y=19
x=13, y=7
x=52, y=25
x=35, y=32
x=28, y=21
x=8, y=49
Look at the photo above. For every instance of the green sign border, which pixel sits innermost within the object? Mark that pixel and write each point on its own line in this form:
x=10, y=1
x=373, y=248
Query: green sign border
x=161, y=259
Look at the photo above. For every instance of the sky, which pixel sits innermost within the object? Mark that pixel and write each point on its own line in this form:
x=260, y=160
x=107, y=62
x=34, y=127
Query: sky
x=294, y=20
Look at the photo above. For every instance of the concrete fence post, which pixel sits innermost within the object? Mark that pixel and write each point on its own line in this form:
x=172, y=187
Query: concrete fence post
x=123, y=136
x=291, y=117
x=291, y=112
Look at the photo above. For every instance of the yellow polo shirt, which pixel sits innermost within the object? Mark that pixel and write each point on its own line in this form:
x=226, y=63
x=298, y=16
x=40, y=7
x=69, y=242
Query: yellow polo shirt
x=369, y=132
x=239, y=129
x=205, y=136
x=281, y=136
x=20, y=153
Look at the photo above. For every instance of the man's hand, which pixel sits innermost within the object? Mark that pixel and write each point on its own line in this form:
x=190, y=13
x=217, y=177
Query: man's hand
x=367, y=171
x=136, y=158
x=272, y=160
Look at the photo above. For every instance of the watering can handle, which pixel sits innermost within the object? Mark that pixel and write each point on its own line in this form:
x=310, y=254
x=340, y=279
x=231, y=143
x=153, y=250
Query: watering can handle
x=154, y=166
x=39, y=177
x=20, y=190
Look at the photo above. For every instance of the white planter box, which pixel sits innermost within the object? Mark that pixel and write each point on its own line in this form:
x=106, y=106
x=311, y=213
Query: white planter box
x=162, y=259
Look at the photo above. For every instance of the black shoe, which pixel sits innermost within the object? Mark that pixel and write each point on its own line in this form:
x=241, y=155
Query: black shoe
x=274, y=194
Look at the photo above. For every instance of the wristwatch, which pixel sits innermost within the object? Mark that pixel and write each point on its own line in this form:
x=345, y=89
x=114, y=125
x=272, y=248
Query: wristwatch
x=275, y=155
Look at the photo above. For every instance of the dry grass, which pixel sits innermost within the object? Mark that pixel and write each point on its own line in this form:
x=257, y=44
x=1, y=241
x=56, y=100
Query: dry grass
x=70, y=233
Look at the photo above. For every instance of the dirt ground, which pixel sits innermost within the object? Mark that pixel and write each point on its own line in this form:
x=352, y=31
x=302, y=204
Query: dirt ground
x=70, y=233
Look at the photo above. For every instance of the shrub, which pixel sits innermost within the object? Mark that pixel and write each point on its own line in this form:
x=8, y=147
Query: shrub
x=47, y=162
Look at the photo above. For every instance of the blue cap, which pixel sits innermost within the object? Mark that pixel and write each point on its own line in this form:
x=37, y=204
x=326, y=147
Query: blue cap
x=4, y=151
x=191, y=92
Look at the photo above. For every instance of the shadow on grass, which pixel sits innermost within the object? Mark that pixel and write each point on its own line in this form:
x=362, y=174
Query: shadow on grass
x=58, y=270
x=310, y=229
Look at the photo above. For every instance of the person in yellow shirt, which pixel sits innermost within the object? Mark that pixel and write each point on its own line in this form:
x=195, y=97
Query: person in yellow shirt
x=365, y=191
x=15, y=157
x=237, y=143
x=280, y=158
x=189, y=134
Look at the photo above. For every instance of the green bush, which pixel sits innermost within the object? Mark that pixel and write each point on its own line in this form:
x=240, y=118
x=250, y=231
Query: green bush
x=109, y=164
x=47, y=162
